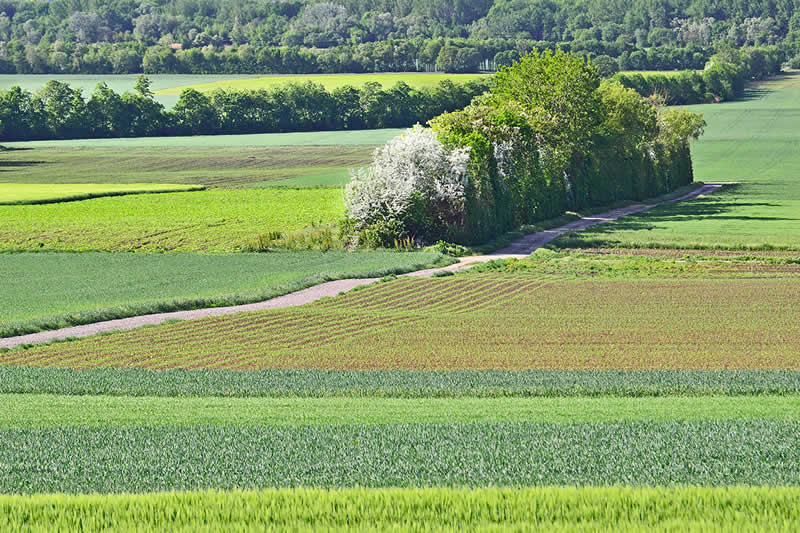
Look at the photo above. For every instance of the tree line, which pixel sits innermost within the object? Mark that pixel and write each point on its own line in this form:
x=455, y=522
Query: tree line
x=59, y=111
x=725, y=77
x=549, y=137
x=306, y=36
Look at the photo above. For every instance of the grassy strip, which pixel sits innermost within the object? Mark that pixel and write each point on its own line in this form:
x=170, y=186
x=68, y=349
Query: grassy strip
x=393, y=384
x=54, y=290
x=495, y=509
x=37, y=410
x=146, y=459
x=25, y=193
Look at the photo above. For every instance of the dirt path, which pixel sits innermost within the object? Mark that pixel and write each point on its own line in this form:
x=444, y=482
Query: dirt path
x=519, y=249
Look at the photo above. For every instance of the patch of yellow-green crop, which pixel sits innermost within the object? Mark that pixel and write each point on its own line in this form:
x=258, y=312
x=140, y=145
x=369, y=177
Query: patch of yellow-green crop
x=211, y=220
x=330, y=81
x=45, y=193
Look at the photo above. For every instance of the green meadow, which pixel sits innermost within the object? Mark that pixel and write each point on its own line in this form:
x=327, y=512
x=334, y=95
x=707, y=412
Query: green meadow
x=40, y=193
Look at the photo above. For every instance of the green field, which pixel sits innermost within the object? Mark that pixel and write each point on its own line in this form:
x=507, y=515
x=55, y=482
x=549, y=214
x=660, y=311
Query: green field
x=329, y=81
x=487, y=509
x=38, y=193
x=287, y=166
x=22, y=411
x=53, y=290
x=753, y=141
x=212, y=220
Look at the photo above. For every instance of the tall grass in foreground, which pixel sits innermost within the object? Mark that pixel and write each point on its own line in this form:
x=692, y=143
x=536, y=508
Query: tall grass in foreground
x=547, y=509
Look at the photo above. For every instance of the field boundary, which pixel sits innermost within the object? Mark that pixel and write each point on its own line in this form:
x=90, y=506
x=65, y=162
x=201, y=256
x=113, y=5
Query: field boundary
x=518, y=249
x=92, y=196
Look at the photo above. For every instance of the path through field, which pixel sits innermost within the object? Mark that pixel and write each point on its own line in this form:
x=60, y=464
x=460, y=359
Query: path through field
x=518, y=249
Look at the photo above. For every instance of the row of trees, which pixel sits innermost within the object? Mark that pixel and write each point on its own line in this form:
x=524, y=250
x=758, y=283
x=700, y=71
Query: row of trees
x=549, y=137
x=725, y=77
x=226, y=36
x=59, y=111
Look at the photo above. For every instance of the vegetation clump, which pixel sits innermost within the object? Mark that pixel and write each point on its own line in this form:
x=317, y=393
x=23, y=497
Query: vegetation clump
x=550, y=137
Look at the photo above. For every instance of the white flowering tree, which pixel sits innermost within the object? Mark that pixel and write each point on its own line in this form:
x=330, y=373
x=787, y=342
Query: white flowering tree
x=415, y=184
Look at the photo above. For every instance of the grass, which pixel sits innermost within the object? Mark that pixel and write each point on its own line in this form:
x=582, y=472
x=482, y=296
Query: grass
x=212, y=220
x=22, y=411
x=310, y=138
x=329, y=81
x=235, y=166
x=753, y=141
x=489, y=509
x=394, y=384
x=54, y=290
x=640, y=453
x=46, y=193
x=479, y=322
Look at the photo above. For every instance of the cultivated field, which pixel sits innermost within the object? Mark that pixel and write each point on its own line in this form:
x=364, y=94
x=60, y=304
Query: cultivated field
x=211, y=220
x=329, y=81
x=91, y=287
x=670, y=373
x=36, y=193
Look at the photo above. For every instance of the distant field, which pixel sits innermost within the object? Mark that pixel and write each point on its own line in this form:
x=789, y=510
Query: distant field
x=26, y=193
x=309, y=138
x=481, y=322
x=52, y=290
x=549, y=509
x=754, y=141
x=287, y=166
x=329, y=81
x=119, y=83
x=211, y=220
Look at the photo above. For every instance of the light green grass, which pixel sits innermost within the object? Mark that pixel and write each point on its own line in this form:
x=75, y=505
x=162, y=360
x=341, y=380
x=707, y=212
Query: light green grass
x=547, y=509
x=234, y=166
x=329, y=81
x=52, y=290
x=43, y=193
x=119, y=83
x=33, y=410
x=754, y=141
x=313, y=138
x=212, y=220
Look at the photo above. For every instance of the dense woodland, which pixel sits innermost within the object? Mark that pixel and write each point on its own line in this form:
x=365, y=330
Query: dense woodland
x=307, y=36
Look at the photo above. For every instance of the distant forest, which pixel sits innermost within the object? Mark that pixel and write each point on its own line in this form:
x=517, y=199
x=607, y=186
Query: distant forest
x=306, y=36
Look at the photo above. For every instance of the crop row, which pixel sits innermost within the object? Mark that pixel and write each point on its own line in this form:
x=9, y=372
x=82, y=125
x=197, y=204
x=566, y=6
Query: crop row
x=598, y=324
x=22, y=411
x=148, y=459
x=532, y=509
x=394, y=384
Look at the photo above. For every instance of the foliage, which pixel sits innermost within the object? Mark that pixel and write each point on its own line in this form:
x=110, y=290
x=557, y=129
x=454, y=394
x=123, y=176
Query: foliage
x=50, y=291
x=638, y=453
x=415, y=186
x=59, y=111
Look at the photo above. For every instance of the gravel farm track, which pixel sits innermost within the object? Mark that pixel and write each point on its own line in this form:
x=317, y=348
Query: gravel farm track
x=518, y=249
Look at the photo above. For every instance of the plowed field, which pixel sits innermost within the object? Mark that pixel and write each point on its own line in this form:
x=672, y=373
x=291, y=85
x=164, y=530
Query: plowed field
x=490, y=321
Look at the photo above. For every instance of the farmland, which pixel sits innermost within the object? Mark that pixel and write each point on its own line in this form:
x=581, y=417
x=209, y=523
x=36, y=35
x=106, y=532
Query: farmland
x=212, y=220
x=668, y=361
x=102, y=286
x=510, y=322
x=24, y=193
x=329, y=81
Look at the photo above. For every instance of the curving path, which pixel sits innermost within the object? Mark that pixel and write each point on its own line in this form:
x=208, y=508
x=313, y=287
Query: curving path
x=518, y=249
